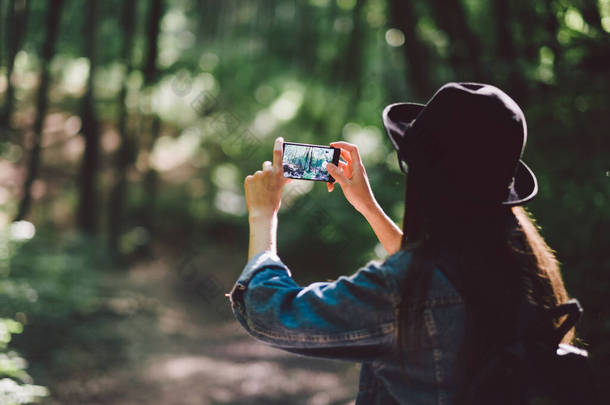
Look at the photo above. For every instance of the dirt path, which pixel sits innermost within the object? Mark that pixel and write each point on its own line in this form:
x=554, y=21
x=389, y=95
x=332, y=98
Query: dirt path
x=184, y=352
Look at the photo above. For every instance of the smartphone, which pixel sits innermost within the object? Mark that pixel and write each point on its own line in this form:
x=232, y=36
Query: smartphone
x=308, y=162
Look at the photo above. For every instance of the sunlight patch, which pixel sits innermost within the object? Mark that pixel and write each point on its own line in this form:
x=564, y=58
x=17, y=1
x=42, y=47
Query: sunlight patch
x=226, y=176
x=75, y=74
x=368, y=139
x=22, y=230
x=264, y=123
x=230, y=202
x=234, y=381
x=287, y=105
x=169, y=152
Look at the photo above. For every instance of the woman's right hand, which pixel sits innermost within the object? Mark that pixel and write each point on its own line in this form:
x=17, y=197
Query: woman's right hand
x=355, y=185
x=352, y=178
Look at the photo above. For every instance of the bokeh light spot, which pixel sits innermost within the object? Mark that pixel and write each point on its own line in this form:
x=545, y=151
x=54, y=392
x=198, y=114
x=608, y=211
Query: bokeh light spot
x=346, y=4
x=394, y=37
x=22, y=230
x=287, y=105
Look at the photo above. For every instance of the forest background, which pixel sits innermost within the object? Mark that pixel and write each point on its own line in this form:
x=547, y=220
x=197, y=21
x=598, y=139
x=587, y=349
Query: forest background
x=127, y=128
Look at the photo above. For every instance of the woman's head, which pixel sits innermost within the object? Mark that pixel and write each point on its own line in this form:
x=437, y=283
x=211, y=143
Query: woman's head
x=465, y=183
x=465, y=146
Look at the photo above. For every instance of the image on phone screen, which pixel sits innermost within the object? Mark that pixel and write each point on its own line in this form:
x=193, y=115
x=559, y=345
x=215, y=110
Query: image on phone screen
x=308, y=162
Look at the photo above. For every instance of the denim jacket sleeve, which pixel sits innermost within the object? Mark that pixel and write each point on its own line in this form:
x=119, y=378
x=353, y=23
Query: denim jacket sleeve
x=350, y=318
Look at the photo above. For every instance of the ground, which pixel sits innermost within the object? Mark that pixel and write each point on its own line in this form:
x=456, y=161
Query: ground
x=185, y=350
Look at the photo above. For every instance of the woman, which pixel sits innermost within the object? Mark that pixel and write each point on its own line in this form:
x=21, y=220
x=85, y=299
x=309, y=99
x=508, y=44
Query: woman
x=469, y=270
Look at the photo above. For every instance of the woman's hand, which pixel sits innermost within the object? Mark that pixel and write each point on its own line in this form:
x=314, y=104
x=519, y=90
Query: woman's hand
x=354, y=182
x=352, y=178
x=264, y=187
x=263, y=196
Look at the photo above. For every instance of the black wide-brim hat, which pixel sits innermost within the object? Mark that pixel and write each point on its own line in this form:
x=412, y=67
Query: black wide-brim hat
x=468, y=139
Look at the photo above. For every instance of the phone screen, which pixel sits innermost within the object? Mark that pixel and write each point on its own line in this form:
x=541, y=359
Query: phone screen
x=308, y=162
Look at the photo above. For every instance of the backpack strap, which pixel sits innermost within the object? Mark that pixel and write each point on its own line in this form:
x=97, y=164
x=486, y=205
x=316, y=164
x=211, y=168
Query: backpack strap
x=573, y=310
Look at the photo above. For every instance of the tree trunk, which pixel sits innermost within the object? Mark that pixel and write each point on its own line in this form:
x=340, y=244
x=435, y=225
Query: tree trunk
x=465, y=50
x=507, y=52
x=124, y=156
x=48, y=50
x=2, y=30
x=17, y=18
x=307, y=37
x=416, y=55
x=590, y=13
x=88, y=204
x=552, y=28
x=203, y=10
x=150, y=78
x=264, y=18
x=530, y=25
x=155, y=13
x=348, y=68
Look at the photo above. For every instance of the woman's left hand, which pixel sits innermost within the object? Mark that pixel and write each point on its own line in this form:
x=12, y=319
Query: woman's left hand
x=264, y=187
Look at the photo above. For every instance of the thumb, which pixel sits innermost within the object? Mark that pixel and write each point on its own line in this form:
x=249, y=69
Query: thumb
x=334, y=171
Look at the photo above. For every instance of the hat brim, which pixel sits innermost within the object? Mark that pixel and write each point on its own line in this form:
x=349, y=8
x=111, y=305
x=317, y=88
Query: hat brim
x=396, y=119
x=524, y=188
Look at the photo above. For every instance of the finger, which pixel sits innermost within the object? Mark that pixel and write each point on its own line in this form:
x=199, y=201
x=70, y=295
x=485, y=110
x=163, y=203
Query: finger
x=334, y=171
x=346, y=169
x=350, y=147
x=343, y=152
x=345, y=155
x=247, y=182
x=267, y=165
x=277, y=153
x=343, y=144
x=330, y=186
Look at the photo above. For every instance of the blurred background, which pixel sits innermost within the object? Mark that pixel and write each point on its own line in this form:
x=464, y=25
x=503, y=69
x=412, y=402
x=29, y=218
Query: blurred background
x=127, y=128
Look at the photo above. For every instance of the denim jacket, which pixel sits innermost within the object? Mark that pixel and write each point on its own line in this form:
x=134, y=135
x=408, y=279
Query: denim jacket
x=354, y=318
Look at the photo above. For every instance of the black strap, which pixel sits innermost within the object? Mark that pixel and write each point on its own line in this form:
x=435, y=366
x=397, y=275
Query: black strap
x=573, y=310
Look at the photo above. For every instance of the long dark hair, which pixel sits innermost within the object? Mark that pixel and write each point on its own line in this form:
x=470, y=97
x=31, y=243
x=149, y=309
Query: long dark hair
x=500, y=263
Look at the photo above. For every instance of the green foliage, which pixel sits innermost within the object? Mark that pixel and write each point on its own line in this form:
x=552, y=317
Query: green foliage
x=53, y=288
x=15, y=384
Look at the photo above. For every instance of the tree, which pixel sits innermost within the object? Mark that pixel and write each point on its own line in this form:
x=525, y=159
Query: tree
x=88, y=204
x=590, y=13
x=349, y=63
x=417, y=58
x=307, y=36
x=1, y=33
x=48, y=50
x=464, y=52
x=530, y=24
x=348, y=66
x=124, y=156
x=552, y=28
x=207, y=25
x=150, y=78
x=507, y=52
x=17, y=18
